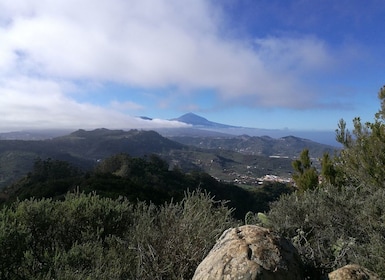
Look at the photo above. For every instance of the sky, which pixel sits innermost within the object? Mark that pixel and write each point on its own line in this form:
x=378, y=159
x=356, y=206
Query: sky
x=294, y=64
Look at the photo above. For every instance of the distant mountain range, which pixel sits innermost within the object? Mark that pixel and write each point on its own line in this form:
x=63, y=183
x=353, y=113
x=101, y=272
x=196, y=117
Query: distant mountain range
x=34, y=134
x=288, y=146
x=199, y=126
x=203, y=127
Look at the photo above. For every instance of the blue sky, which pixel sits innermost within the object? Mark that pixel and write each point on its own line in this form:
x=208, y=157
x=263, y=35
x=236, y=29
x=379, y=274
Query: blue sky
x=297, y=64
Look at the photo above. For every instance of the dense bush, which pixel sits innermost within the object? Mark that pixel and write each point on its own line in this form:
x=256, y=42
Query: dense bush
x=89, y=237
x=332, y=227
x=321, y=224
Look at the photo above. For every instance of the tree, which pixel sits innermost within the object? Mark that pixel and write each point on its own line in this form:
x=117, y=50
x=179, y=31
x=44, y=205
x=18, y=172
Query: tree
x=305, y=176
x=362, y=160
x=328, y=171
x=50, y=169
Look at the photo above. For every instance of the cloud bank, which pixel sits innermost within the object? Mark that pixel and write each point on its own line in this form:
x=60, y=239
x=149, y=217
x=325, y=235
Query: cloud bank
x=47, y=47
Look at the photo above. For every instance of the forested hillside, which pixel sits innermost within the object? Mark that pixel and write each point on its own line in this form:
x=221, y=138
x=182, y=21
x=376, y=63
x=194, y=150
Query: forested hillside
x=137, y=178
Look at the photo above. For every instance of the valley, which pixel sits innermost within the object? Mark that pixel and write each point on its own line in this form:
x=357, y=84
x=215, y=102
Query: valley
x=236, y=159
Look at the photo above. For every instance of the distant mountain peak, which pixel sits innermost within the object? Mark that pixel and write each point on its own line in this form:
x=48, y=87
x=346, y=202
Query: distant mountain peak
x=195, y=120
x=192, y=115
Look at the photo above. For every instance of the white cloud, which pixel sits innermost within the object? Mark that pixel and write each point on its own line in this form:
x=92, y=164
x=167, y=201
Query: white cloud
x=156, y=123
x=30, y=103
x=145, y=44
x=294, y=54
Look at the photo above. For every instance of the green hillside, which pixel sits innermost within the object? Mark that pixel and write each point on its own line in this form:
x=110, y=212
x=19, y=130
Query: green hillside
x=138, y=179
x=84, y=149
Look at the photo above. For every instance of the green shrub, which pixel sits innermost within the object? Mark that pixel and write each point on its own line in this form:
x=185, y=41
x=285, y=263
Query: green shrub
x=12, y=244
x=332, y=227
x=89, y=237
x=370, y=252
x=172, y=242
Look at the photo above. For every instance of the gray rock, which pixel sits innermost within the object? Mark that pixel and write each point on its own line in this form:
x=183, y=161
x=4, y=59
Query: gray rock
x=250, y=252
x=353, y=272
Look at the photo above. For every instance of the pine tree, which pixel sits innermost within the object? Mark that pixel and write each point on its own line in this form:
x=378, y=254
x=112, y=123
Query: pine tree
x=362, y=159
x=328, y=171
x=305, y=176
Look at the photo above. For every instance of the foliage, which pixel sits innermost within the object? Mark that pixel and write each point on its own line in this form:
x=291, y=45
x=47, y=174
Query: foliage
x=305, y=176
x=328, y=170
x=315, y=222
x=89, y=237
x=181, y=235
x=371, y=218
x=344, y=221
x=331, y=227
x=362, y=160
x=125, y=166
x=13, y=165
x=48, y=178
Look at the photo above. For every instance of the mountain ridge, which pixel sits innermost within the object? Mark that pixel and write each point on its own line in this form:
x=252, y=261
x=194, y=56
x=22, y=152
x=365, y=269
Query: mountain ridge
x=288, y=146
x=197, y=125
x=204, y=125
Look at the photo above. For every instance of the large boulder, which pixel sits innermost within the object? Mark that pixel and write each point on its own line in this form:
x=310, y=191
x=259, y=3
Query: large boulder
x=353, y=272
x=250, y=252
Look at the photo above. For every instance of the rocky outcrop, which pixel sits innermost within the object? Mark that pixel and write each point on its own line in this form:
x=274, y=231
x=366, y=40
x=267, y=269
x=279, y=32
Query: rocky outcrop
x=250, y=252
x=353, y=272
